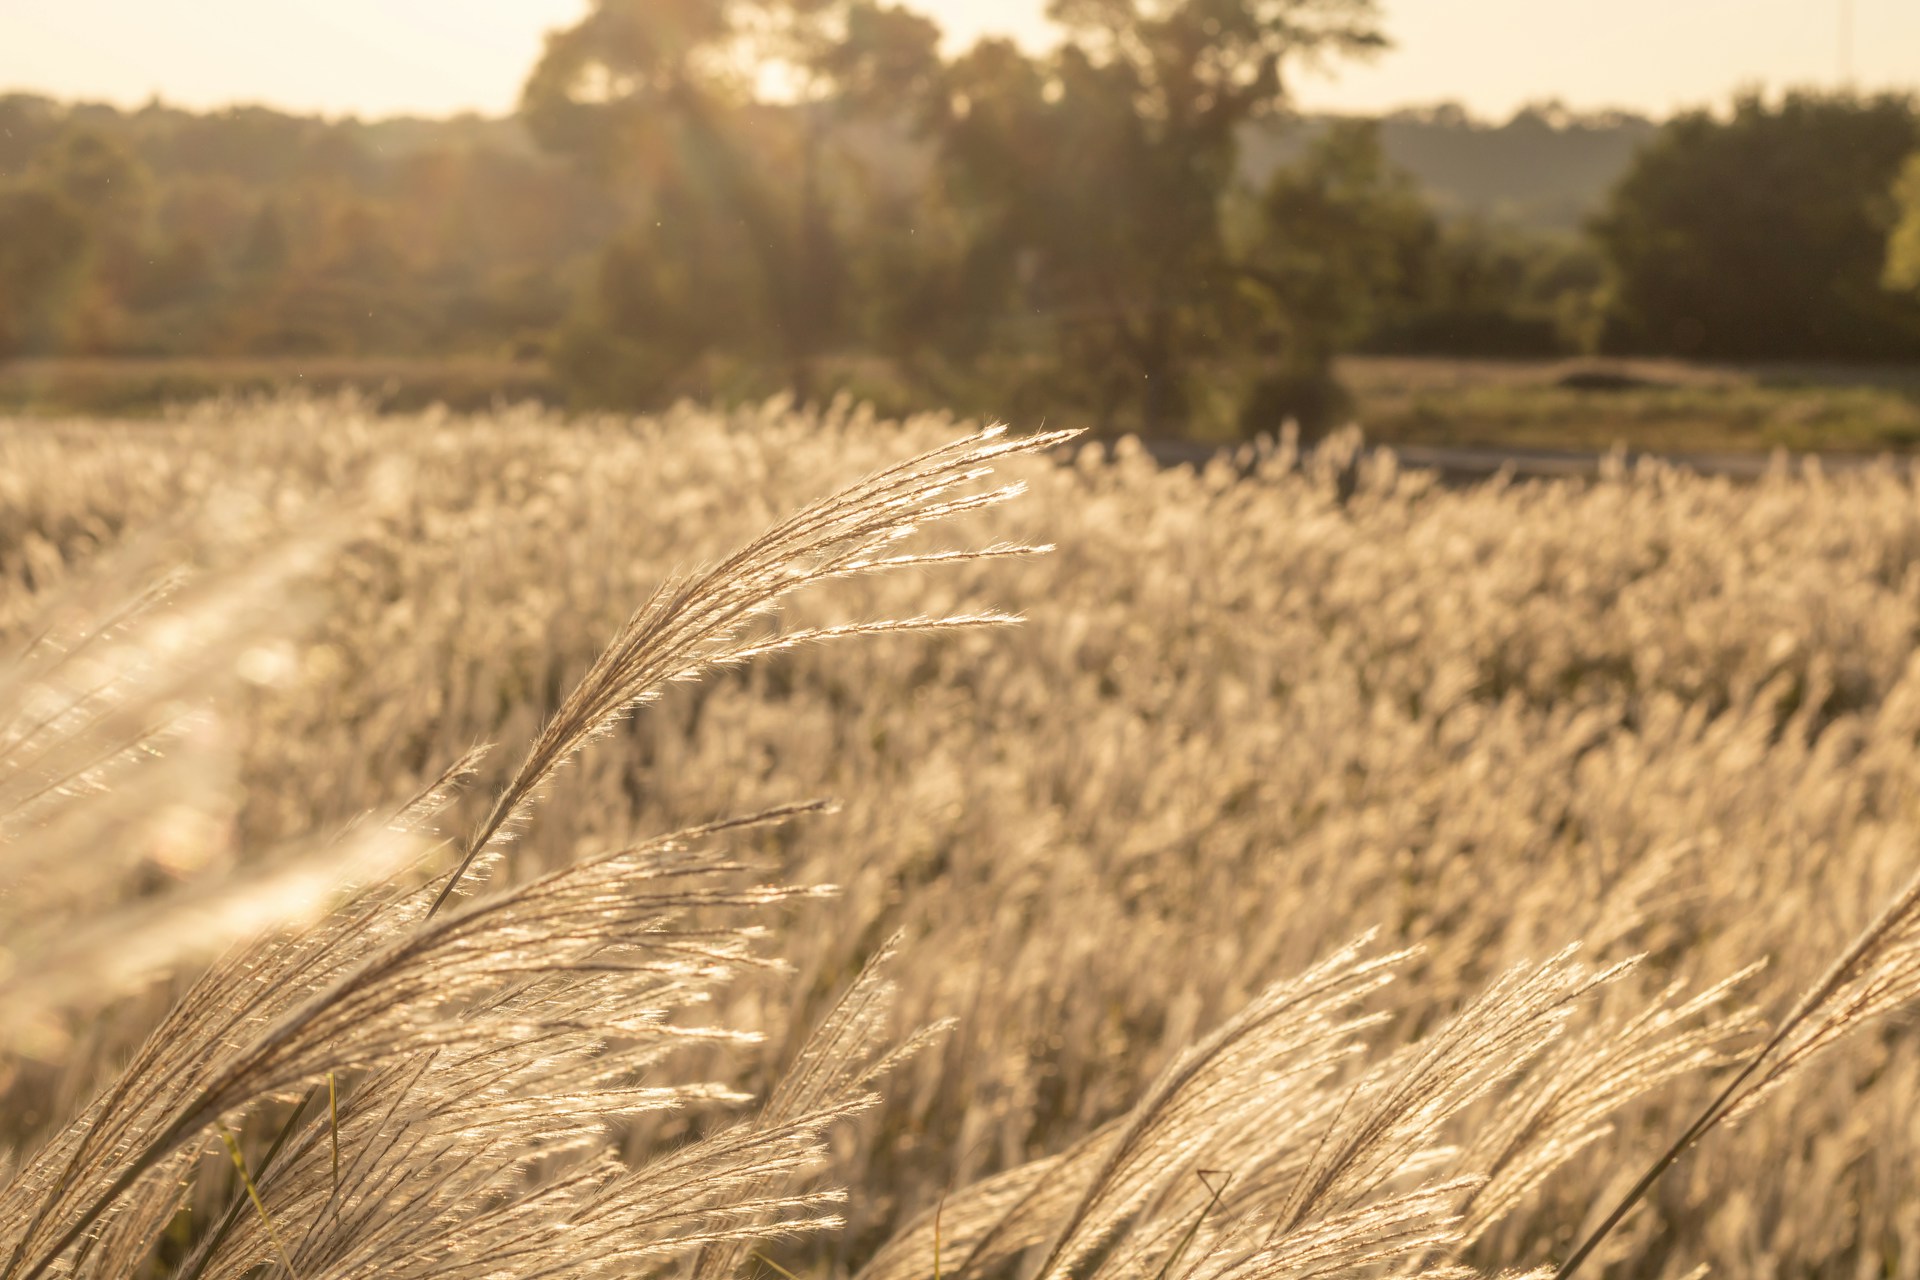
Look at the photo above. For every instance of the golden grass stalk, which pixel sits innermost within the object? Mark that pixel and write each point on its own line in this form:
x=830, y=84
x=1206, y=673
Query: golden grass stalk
x=516, y=1000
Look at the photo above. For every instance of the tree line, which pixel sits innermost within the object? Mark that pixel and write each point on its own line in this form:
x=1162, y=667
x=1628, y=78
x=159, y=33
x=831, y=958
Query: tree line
x=723, y=197
x=248, y=231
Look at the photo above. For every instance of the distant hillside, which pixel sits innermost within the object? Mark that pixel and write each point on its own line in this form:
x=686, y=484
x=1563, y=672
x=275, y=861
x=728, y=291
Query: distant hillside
x=254, y=233
x=250, y=232
x=1546, y=169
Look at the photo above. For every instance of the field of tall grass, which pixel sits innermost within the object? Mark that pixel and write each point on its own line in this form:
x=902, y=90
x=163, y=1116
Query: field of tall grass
x=413, y=859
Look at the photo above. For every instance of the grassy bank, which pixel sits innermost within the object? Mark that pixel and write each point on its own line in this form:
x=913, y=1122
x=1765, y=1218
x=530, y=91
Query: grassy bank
x=145, y=388
x=1655, y=406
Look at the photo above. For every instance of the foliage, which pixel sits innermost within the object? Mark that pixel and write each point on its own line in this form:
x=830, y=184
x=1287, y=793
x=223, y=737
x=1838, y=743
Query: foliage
x=718, y=199
x=1086, y=186
x=1339, y=243
x=43, y=238
x=1763, y=235
x=1098, y=176
x=1657, y=406
x=247, y=231
x=738, y=242
x=1545, y=168
x=887, y=232
x=1903, y=246
x=1490, y=292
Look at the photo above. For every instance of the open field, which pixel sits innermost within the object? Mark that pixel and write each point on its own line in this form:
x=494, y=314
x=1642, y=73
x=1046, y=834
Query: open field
x=144, y=387
x=1247, y=721
x=1657, y=406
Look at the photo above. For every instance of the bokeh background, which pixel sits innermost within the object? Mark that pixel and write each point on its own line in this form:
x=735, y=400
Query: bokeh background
x=363, y=367
x=1198, y=219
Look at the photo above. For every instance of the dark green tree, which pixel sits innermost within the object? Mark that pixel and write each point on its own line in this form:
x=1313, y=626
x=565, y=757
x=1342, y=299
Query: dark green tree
x=663, y=100
x=28, y=126
x=1341, y=244
x=1493, y=290
x=1903, y=245
x=1097, y=176
x=43, y=244
x=100, y=174
x=267, y=248
x=1763, y=234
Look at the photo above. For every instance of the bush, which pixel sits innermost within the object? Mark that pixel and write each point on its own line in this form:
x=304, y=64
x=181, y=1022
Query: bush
x=1763, y=235
x=1311, y=399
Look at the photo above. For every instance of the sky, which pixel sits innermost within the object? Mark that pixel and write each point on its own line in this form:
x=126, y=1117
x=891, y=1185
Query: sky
x=435, y=57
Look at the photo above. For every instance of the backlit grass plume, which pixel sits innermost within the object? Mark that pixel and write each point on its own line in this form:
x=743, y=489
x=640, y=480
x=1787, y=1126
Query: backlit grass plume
x=475, y=1056
x=695, y=623
x=1602, y=776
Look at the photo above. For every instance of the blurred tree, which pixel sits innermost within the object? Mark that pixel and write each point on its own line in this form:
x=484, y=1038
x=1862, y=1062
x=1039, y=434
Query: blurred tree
x=43, y=242
x=1097, y=175
x=101, y=178
x=248, y=230
x=28, y=124
x=175, y=272
x=361, y=245
x=1763, y=235
x=266, y=250
x=100, y=174
x=663, y=98
x=255, y=144
x=1903, y=245
x=881, y=58
x=1341, y=244
x=1494, y=291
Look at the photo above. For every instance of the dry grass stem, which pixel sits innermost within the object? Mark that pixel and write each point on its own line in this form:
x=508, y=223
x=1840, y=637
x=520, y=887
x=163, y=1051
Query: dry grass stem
x=1339, y=875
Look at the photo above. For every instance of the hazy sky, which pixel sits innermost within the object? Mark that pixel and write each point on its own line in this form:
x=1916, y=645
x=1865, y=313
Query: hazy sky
x=378, y=57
